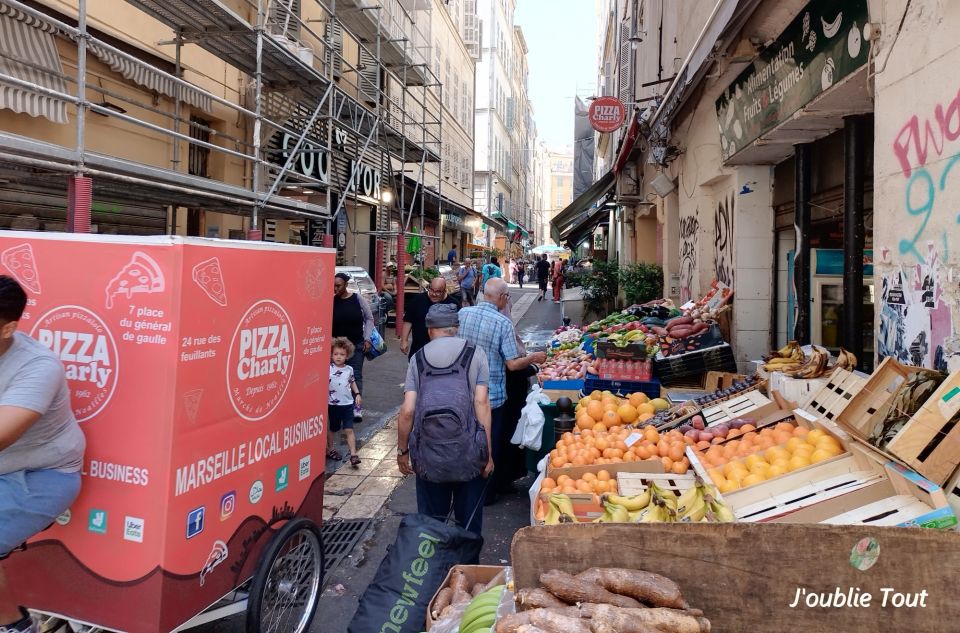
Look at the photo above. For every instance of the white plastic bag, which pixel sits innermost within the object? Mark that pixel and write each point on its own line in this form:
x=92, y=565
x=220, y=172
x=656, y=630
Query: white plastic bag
x=530, y=427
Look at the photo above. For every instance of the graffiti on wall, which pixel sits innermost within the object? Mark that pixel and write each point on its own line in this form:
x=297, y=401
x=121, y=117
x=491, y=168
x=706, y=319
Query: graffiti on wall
x=723, y=241
x=915, y=318
x=689, y=230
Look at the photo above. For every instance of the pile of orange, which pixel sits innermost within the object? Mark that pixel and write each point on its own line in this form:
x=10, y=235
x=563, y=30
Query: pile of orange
x=602, y=410
x=747, y=442
x=589, y=447
x=598, y=483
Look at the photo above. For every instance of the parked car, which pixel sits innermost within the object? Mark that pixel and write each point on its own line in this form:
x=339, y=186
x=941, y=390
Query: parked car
x=362, y=283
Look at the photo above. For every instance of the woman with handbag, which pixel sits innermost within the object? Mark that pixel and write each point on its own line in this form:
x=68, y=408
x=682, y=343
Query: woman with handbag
x=353, y=320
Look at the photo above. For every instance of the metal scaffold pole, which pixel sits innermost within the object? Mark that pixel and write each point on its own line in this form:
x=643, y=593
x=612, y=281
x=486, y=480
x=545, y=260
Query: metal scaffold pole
x=254, y=233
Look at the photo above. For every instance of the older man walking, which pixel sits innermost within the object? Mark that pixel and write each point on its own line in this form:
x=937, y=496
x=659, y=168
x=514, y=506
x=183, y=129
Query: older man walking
x=415, y=315
x=493, y=332
x=444, y=433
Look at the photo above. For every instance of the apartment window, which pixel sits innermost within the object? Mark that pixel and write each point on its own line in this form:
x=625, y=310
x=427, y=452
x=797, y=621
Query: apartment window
x=283, y=18
x=198, y=161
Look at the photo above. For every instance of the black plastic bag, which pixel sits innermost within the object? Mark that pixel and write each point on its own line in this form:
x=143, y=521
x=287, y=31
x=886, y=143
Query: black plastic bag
x=411, y=572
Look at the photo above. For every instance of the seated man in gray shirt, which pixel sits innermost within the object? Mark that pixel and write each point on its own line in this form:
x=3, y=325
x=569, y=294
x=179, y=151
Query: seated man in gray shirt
x=41, y=444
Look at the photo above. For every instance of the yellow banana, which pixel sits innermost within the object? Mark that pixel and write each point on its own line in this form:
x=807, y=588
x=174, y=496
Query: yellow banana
x=564, y=508
x=632, y=504
x=687, y=499
x=668, y=497
x=613, y=513
x=695, y=509
x=722, y=513
x=553, y=515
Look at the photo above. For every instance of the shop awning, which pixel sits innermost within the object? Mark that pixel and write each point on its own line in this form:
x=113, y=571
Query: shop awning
x=144, y=74
x=28, y=53
x=580, y=208
x=585, y=227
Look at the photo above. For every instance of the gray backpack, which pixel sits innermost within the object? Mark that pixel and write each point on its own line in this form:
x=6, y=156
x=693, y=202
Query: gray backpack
x=447, y=444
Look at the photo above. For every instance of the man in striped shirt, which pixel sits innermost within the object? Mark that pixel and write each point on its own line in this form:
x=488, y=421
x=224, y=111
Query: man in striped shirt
x=484, y=326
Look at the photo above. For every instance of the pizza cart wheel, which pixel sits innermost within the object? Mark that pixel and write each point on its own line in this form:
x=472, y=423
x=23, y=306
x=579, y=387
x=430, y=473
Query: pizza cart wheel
x=286, y=587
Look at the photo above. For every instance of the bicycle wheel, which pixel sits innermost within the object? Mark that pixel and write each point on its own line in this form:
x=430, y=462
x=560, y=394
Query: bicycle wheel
x=283, y=595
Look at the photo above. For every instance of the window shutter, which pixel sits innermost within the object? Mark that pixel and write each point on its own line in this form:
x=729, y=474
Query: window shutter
x=333, y=33
x=626, y=64
x=283, y=18
x=369, y=76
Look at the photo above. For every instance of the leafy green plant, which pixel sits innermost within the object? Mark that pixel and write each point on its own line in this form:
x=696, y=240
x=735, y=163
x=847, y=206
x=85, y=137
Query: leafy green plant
x=641, y=282
x=600, y=287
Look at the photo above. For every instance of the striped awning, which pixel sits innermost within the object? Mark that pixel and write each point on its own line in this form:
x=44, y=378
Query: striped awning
x=150, y=77
x=28, y=52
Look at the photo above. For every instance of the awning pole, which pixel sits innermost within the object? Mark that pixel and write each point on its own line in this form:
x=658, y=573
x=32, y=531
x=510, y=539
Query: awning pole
x=801, y=224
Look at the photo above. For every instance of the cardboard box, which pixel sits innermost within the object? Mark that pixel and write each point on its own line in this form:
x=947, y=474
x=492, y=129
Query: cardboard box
x=474, y=574
x=930, y=441
x=202, y=395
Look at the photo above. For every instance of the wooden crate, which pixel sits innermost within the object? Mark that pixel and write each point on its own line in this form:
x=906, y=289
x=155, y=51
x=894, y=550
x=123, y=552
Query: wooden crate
x=722, y=566
x=768, y=416
x=474, y=574
x=869, y=406
x=833, y=398
x=720, y=380
x=930, y=442
x=631, y=484
x=751, y=403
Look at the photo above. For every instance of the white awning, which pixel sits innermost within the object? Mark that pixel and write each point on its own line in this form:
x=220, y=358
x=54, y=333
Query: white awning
x=150, y=77
x=28, y=52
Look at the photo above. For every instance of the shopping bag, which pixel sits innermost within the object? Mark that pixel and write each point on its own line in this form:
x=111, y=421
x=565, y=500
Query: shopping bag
x=378, y=346
x=529, y=431
x=412, y=571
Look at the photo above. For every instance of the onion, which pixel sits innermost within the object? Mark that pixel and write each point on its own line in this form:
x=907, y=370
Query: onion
x=720, y=429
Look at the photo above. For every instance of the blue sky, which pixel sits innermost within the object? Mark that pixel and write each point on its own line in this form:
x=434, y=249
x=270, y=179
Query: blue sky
x=562, y=38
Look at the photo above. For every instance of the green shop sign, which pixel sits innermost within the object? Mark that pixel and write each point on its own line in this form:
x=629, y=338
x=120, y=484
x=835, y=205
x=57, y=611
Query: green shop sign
x=822, y=45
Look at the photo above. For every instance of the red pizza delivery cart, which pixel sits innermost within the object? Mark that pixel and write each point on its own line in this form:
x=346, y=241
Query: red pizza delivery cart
x=198, y=372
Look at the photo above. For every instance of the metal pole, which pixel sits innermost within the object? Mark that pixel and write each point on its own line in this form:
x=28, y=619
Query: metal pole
x=854, y=158
x=257, y=121
x=176, y=101
x=801, y=224
x=81, y=84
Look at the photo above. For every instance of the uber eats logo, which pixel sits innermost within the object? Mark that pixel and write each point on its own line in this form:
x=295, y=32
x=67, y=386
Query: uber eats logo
x=413, y=583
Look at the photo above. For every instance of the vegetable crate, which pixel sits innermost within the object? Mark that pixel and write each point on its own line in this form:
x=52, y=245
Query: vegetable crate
x=674, y=368
x=623, y=387
x=833, y=398
x=752, y=403
x=716, y=380
x=473, y=573
x=631, y=351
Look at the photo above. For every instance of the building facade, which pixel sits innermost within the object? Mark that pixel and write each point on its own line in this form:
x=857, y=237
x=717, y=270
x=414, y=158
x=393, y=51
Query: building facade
x=284, y=122
x=504, y=130
x=799, y=153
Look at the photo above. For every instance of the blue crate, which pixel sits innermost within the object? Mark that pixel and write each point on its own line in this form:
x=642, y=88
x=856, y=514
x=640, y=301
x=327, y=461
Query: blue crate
x=563, y=384
x=623, y=387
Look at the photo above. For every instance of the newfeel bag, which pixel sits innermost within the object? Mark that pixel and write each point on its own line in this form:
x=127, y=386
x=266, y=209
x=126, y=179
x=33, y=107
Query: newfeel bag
x=413, y=569
x=378, y=346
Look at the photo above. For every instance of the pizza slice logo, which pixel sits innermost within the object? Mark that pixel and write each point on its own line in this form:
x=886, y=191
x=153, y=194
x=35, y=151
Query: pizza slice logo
x=20, y=262
x=191, y=403
x=209, y=276
x=141, y=275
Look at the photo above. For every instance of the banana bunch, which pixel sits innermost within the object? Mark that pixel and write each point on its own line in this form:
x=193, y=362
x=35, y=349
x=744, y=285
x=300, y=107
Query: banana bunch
x=846, y=360
x=613, y=513
x=716, y=511
x=481, y=613
x=815, y=366
x=788, y=358
x=561, y=510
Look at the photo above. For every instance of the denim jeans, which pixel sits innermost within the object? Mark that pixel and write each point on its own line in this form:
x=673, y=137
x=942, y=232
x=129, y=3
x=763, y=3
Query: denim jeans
x=30, y=500
x=465, y=499
x=356, y=361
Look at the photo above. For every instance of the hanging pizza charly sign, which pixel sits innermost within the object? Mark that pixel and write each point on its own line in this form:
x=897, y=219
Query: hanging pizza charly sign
x=607, y=114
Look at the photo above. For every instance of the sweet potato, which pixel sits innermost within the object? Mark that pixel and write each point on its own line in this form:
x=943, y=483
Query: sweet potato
x=571, y=589
x=646, y=620
x=513, y=621
x=478, y=588
x=444, y=597
x=529, y=628
x=537, y=599
x=681, y=320
x=459, y=582
x=651, y=589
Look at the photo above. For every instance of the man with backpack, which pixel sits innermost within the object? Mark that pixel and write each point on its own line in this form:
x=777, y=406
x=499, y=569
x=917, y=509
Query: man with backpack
x=444, y=431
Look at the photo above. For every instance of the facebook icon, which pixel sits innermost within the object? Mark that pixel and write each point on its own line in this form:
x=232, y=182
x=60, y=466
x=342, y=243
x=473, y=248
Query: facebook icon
x=195, y=521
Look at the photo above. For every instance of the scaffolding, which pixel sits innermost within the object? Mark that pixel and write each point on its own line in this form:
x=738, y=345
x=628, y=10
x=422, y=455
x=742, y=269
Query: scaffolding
x=317, y=127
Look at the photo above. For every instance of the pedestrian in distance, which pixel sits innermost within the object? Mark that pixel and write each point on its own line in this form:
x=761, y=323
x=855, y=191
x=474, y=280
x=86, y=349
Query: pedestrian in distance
x=444, y=433
x=490, y=270
x=493, y=332
x=415, y=315
x=520, y=273
x=451, y=256
x=543, y=274
x=41, y=444
x=467, y=277
x=353, y=320
x=559, y=276
x=344, y=395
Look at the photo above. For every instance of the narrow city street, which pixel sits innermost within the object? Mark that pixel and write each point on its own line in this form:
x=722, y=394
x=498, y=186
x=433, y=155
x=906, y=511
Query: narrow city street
x=376, y=496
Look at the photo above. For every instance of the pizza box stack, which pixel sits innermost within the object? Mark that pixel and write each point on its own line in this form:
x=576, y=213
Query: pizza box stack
x=201, y=396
